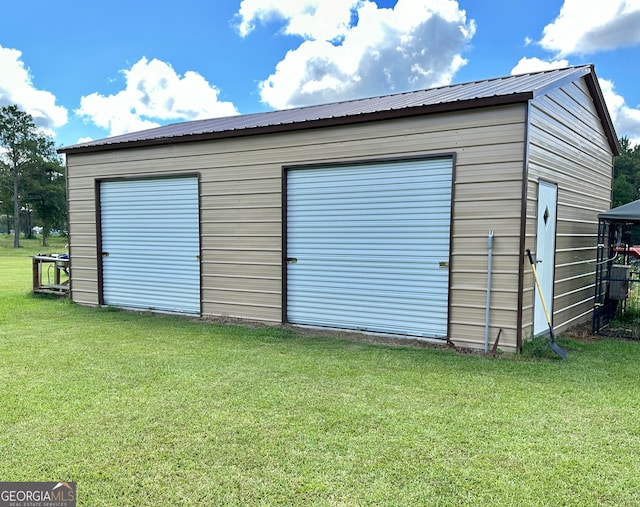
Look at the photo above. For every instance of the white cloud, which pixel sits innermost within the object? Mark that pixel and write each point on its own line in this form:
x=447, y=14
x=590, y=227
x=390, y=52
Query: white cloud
x=528, y=65
x=625, y=119
x=16, y=87
x=355, y=49
x=585, y=27
x=311, y=19
x=154, y=93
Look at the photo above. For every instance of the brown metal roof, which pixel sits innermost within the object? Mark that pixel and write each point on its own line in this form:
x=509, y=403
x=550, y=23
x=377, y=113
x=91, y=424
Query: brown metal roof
x=489, y=92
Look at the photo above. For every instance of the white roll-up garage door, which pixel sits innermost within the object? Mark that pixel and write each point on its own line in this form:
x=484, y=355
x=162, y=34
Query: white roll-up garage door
x=151, y=244
x=368, y=246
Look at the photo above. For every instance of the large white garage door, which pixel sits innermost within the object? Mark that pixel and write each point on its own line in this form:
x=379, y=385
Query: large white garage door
x=368, y=247
x=151, y=244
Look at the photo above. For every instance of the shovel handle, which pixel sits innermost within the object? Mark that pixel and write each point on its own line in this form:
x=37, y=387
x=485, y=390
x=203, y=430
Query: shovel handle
x=537, y=280
x=556, y=348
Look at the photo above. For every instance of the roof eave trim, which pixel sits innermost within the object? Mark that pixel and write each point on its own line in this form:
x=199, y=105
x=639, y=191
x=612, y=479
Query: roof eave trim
x=445, y=107
x=603, y=112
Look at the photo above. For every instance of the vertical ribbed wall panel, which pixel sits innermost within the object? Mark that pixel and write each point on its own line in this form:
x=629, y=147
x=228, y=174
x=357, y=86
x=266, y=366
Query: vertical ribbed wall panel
x=368, y=246
x=151, y=244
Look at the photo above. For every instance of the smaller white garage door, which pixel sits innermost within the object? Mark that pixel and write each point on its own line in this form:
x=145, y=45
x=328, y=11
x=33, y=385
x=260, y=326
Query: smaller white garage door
x=368, y=246
x=151, y=244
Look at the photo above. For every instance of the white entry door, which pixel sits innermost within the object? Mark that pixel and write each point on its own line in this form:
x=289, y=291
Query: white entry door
x=545, y=252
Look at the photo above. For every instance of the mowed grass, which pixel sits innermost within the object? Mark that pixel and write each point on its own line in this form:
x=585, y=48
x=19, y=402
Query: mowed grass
x=158, y=410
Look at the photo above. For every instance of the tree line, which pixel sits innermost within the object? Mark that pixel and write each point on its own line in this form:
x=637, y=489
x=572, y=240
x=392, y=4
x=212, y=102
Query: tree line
x=32, y=178
x=626, y=174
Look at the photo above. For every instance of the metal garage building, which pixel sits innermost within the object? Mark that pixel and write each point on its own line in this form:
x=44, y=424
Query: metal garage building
x=370, y=214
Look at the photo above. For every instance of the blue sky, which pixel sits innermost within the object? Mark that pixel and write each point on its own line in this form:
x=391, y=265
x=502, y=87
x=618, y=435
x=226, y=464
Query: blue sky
x=87, y=70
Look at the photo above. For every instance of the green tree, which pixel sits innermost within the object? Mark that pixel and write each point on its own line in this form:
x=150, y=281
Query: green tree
x=626, y=174
x=23, y=149
x=623, y=191
x=44, y=193
x=6, y=206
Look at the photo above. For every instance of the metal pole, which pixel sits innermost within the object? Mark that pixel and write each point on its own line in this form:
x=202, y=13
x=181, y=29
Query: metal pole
x=486, y=316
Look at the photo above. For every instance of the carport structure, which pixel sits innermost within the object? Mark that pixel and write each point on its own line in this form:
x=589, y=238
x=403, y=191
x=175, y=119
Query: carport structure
x=616, y=266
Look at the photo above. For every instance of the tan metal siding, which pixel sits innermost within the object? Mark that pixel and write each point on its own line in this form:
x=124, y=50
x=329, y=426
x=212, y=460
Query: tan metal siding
x=487, y=196
x=568, y=146
x=240, y=187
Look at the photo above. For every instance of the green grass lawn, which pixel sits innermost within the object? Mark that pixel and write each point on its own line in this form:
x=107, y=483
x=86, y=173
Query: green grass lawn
x=157, y=410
